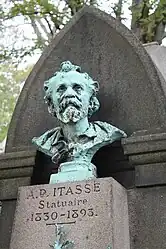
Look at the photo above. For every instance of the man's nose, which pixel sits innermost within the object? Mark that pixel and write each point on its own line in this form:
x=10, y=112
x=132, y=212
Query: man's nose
x=69, y=92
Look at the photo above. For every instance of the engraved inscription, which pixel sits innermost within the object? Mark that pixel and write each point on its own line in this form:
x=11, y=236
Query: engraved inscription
x=63, y=204
x=52, y=216
x=77, y=189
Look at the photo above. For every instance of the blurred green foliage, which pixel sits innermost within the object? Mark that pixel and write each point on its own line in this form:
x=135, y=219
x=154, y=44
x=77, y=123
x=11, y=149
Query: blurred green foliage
x=11, y=82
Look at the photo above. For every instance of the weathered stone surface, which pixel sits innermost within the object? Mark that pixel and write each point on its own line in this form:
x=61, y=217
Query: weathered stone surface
x=147, y=217
x=17, y=159
x=142, y=148
x=144, y=143
x=95, y=215
x=148, y=158
x=19, y=164
x=19, y=172
x=9, y=187
x=147, y=153
x=103, y=55
x=150, y=174
x=16, y=169
x=158, y=55
x=6, y=220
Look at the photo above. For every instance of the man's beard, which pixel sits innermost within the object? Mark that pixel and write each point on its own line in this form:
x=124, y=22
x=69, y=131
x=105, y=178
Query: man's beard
x=70, y=110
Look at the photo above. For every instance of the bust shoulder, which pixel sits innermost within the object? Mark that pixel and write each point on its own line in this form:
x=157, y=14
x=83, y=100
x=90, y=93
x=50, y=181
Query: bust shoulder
x=108, y=131
x=45, y=141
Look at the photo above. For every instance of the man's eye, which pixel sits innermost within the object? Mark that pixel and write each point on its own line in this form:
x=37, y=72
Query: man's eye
x=61, y=88
x=77, y=87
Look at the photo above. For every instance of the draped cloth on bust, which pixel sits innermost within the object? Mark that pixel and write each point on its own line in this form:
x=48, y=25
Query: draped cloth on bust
x=54, y=144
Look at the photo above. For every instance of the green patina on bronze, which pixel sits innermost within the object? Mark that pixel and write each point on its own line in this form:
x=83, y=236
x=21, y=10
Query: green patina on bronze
x=71, y=98
x=61, y=242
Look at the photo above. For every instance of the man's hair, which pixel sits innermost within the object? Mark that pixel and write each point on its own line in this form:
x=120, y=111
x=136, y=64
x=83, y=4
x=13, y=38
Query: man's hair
x=66, y=67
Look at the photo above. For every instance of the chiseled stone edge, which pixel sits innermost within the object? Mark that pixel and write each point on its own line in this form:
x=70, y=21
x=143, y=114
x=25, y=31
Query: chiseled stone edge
x=147, y=153
x=9, y=187
x=150, y=175
x=16, y=169
x=143, y=143
x=17, y=159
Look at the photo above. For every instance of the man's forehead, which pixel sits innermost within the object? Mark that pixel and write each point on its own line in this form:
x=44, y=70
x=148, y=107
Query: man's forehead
x=67, y=78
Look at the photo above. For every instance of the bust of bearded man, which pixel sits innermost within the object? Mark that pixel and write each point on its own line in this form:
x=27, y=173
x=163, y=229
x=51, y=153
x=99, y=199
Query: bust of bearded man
x=71, y=98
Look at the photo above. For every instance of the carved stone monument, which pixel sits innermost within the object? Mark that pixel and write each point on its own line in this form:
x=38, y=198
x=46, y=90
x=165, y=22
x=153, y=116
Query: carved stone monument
x=133, y=97
x=89, y=214
x=77, y=214
x=71, y=97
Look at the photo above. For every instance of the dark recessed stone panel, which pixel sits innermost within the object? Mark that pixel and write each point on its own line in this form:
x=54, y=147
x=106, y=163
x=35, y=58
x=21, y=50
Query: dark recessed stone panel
x=147, y=216
x=150, y=174
x=6, y=220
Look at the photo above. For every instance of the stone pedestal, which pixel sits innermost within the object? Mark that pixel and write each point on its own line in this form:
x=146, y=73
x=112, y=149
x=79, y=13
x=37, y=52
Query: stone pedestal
x=93, y=214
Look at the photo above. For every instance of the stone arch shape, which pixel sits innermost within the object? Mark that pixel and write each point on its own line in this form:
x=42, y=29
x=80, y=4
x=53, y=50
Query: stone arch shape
x=131, y=95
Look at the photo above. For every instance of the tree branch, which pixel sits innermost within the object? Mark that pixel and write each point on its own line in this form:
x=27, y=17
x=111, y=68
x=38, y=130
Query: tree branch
x=37, y=32
x=118, y=10
x=44, y=28
x=49, y=26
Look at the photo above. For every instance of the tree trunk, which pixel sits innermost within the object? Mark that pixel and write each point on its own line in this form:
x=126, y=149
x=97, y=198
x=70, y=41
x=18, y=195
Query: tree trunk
x=47, y=33
x=37, y=32
x=160, y=33
x=135, y=25
x=119, y=10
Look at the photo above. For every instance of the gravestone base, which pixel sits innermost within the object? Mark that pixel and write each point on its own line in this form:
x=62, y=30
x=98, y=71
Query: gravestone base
x=93, y=215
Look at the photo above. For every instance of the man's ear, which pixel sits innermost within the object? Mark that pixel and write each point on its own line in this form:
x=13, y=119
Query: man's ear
x=96, y=85
x=93, y=106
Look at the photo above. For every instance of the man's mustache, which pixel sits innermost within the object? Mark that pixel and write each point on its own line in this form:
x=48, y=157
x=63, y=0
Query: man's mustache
x=65, y=101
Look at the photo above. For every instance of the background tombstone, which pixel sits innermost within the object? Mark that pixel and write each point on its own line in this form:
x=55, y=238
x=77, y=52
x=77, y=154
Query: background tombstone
x=158, y=55
x=132, y=98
